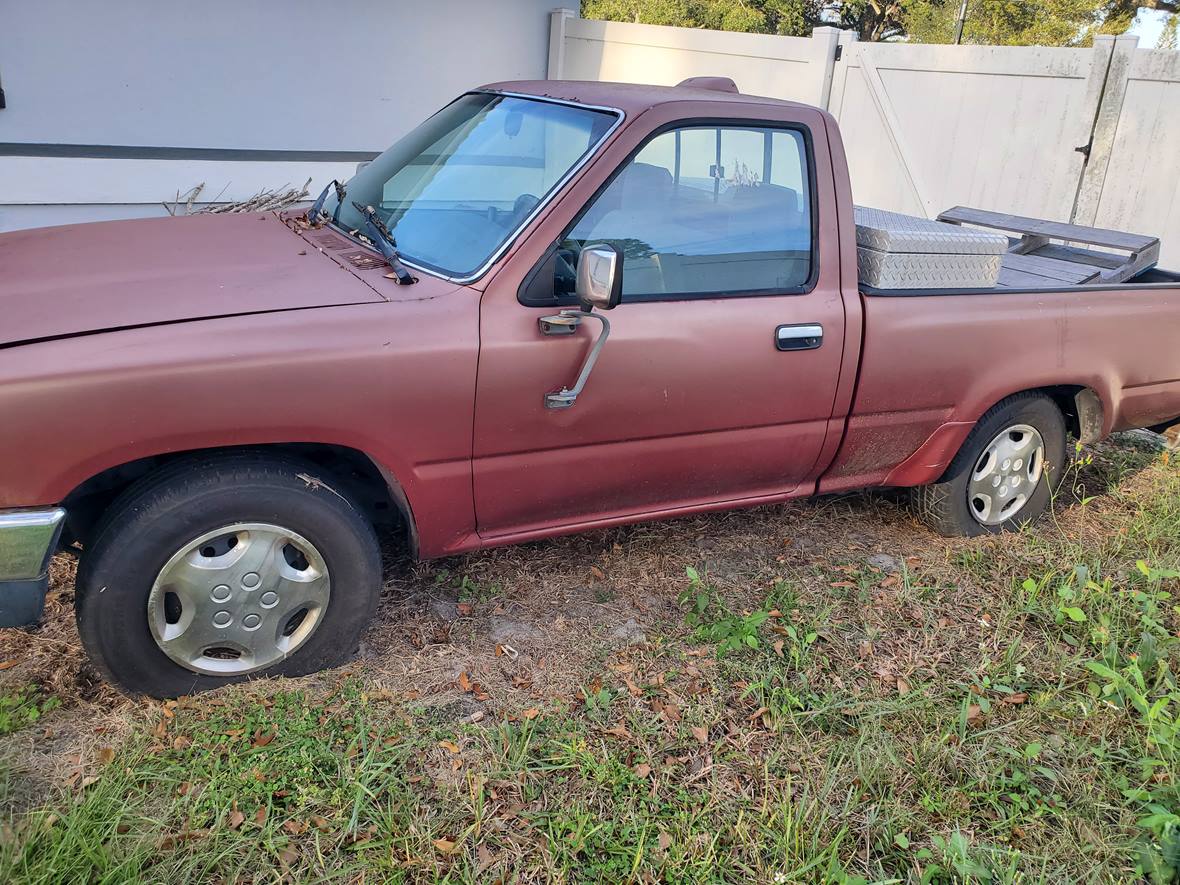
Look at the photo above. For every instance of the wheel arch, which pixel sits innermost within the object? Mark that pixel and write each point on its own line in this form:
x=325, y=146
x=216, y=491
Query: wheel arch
x=1086, y=419
x=369, y=483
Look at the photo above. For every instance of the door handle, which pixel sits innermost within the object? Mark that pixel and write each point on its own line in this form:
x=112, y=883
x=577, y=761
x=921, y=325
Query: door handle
x=807, y=336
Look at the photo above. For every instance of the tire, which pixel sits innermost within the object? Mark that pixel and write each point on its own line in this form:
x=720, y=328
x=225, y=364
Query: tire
x=954, y=506
x=144, y=576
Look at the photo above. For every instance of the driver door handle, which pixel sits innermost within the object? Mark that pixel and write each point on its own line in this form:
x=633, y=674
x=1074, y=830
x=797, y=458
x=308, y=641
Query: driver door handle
x=806, y=336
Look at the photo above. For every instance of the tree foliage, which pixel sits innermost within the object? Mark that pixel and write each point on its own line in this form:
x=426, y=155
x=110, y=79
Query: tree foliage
x=1005, y=22
x=787, y=17
x=990, y=22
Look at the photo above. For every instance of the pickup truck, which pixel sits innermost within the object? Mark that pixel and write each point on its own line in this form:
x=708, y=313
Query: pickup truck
x=552, y=307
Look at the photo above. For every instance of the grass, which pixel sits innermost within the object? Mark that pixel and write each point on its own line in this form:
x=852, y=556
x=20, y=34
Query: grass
x=995, y=710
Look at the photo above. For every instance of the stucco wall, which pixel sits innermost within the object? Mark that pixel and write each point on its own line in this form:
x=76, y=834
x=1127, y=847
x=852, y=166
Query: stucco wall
x=335, y=80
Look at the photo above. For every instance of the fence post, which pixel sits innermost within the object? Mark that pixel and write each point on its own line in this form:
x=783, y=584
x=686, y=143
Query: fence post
x=558, y=21
x=1114, y=55
x=826, y=40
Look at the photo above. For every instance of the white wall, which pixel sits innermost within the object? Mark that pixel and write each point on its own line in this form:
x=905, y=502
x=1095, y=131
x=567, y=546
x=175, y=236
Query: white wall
x=248, y=75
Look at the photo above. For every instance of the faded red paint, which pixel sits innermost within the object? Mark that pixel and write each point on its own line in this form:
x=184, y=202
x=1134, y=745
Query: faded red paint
x=237, y=330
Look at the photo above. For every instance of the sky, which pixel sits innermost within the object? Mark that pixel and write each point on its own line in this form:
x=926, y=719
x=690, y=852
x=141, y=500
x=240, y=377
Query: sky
x=1149, y=24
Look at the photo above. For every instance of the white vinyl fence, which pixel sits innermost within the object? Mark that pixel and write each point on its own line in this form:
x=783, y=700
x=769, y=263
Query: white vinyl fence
x=1084, y=135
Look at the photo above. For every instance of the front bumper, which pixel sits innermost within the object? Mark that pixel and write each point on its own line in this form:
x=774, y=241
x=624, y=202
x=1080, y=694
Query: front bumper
x=27, y=540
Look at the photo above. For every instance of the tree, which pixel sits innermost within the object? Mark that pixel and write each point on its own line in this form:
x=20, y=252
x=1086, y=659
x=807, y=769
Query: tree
x=989, y=22
x=1004, y=22
x=787, y=17
x=1118, y=15
x=873, y=20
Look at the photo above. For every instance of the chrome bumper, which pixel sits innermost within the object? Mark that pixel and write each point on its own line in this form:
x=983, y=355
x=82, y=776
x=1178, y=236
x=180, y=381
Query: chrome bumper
x=27, y=540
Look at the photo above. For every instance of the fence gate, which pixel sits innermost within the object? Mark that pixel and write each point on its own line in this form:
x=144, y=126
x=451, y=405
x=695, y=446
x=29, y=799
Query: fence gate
x=930, y=127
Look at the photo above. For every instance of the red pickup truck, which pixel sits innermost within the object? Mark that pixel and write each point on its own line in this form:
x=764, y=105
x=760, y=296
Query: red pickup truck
x=219, y=413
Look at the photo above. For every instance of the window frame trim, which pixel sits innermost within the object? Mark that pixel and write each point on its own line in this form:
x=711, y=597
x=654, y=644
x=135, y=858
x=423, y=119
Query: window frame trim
x=718, y=123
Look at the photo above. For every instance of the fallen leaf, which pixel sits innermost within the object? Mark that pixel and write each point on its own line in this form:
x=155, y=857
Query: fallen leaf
x=665, y=840
x=619, y=730
x=1015, y=698
x=181, y=742
x=235, y=819
x=465, y=682
x=700, y=733
x=261, y=740
x=642, y=770
x=973, y=714
x=597, y=572
x=464, y=608
x=531, y=713
x=778, y=647
x=903, y=687
x=450, y=745
x=846, y=584
x=478, y=716
x=485, y=857
x=288, y=856
x=295, y=827
x=105, y=755
x=7, y=665
x=260, y=816
x=446, y=846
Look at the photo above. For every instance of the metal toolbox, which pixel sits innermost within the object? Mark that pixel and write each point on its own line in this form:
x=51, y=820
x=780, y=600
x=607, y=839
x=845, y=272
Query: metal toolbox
x=895, y=251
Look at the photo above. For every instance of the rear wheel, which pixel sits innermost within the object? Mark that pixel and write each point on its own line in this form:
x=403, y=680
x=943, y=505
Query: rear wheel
x=219, y=570
x=1005, y=472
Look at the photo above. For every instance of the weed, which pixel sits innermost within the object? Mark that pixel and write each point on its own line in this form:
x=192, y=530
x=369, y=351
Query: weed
x=24, y=707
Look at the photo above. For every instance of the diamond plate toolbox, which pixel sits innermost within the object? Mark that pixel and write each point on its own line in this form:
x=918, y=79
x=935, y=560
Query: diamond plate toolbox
x=895, y=251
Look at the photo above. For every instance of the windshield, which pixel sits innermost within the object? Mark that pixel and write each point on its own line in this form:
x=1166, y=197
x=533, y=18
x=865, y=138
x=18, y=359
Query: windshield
x=454, y=190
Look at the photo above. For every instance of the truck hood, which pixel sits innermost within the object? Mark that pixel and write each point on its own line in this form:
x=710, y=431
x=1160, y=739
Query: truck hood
x=61, y=281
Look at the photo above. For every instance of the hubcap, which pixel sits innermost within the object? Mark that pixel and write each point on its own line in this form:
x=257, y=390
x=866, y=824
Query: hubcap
x=1006, y=475
x=238, y=599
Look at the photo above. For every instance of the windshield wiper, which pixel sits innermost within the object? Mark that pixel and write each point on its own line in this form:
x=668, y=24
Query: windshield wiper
x=313, y=214
x=385, y=242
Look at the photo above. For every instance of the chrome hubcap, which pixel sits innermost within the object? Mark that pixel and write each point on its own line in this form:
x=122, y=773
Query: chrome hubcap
x=1006, y=475
x=238, y=599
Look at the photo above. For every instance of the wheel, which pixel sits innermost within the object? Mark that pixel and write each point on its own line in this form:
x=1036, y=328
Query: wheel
x=219, y=570
x=1005, y=473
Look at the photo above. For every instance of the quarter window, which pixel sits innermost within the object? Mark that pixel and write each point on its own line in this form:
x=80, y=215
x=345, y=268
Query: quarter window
x=704, y=211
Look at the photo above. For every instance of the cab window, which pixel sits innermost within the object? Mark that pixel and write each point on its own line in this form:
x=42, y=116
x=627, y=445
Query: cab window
x=703, y=211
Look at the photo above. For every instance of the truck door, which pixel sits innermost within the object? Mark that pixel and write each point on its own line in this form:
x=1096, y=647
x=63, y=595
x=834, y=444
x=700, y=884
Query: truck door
x=717, y=381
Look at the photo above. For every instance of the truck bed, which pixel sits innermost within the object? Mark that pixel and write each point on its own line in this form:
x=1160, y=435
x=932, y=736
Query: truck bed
x=1047, y=256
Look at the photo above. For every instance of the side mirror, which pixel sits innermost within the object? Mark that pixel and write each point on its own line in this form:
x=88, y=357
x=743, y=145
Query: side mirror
x=600, y=276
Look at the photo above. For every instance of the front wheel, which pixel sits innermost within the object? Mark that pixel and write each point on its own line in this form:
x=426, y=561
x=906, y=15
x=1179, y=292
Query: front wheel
x=1005, y=472
x=219, y=570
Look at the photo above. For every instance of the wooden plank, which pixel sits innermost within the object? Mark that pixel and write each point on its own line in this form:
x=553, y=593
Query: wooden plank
x=1103, y=260
x=1138, y=263
x=1111, y=239
x=1020, y=279
x=1053, y=268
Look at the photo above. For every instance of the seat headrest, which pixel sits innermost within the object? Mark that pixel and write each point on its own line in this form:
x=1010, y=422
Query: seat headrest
x=644, y=186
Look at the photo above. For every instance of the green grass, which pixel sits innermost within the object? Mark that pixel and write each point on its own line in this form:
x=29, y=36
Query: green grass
x=24, y=707
x=1005, y=710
